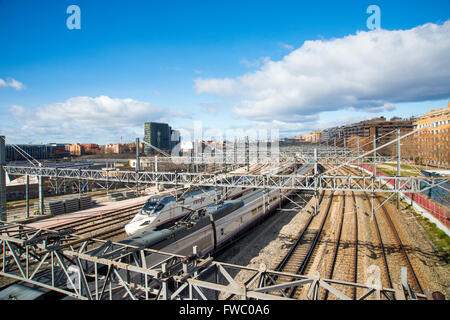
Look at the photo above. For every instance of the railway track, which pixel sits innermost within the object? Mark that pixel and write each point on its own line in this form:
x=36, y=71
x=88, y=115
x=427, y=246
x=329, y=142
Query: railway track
x=338, y=243
x=102, y=226
x=355, y=252
x=299, y=256
x=299, y=259
x=390, y=244
x=302, y=253
x=344, y=261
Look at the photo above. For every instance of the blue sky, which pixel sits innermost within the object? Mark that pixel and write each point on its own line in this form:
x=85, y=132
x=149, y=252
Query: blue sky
x=153, y=52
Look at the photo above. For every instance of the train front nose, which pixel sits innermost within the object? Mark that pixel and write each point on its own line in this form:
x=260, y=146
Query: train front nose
x=130, y=228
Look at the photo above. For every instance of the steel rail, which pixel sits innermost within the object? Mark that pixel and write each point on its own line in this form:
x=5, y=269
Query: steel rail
x=336, y=248
x=405, y=255
x=355, y=254
x=102, y=214
x=397, y=237
x=307, y=258
x=380, y=241
x=288, y=255
x=402, y=248
x=355, y=272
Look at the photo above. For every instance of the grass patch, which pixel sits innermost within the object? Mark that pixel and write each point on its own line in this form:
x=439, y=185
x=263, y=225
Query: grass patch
x=415, y=172
x=438, y=237
x=394, y=172
x=402, y=166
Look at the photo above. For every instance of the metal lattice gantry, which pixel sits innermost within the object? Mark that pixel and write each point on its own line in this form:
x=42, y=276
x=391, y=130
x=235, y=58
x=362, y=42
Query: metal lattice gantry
x=99, y=270
x=357, y=183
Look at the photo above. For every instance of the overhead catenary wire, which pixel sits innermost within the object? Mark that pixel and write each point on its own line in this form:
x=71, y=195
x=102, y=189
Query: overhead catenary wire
x=23, y=153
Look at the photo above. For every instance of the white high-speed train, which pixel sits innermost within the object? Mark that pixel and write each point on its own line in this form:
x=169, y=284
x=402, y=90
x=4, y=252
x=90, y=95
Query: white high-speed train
x=160, y=211
x=157, y=211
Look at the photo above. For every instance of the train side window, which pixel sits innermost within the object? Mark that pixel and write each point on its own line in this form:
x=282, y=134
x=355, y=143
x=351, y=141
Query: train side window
x=221, y=231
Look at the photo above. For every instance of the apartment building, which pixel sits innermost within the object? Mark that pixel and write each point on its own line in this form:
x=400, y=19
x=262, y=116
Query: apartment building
x=432, y=139
x=313, y=137
x=382, y=129
x=331, y=134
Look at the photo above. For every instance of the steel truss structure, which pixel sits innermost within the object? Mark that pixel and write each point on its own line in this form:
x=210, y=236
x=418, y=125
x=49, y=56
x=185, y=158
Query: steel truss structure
x=303, y=182
x=298, y=157
x=99, y=270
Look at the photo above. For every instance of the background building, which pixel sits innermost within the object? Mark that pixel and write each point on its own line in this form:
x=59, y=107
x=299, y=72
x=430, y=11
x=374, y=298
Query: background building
x=76, y=149
x=331, y=134
x=115, y=148
x=36, y=151
x=175, y=138
x=431, y=144
x=91, y=148
x=161, y=136
x=313, y=137
x=382, y=129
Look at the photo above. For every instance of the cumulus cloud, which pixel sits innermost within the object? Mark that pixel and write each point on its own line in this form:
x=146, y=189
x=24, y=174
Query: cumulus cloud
x=378, y=109
x=12, y=83
x=288, y=128
x=363, y=71
x=255, y=63
x=286, y=46
x=101, y=118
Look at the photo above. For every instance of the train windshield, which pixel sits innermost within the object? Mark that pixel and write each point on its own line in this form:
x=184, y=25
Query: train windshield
x=152, y=206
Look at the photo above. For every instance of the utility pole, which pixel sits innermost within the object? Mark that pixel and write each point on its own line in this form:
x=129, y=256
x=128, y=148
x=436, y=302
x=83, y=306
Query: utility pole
x=138, y=165
x=398, y=153
x=374, y=155
x=156, y=170
x=224, y=154
x=235, y=152
x=357, y=153
x=315, y=183
x=374, y=172
x=398, y=166
x=3, y=215
x=107, y=178
x=247, y=153
x=41, y=192
x=27, y=194
x=335, y=151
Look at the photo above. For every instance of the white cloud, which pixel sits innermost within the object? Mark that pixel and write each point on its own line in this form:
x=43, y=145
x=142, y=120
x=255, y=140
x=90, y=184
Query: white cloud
x=101, y=119
x=286, y=46
x=385, y=107
x=13, y=83
x=288, y=128
x=362, y=71
x=256, y=63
